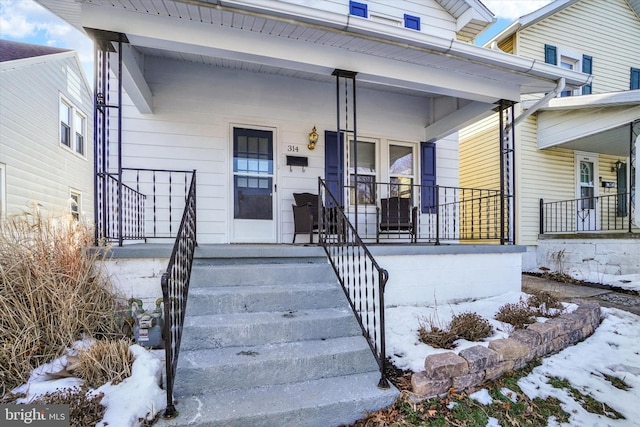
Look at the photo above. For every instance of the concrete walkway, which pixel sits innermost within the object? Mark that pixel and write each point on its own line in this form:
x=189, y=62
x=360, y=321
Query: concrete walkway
x=579, y=293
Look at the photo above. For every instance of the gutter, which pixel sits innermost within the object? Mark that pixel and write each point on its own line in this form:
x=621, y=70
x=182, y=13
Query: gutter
x=541, y=102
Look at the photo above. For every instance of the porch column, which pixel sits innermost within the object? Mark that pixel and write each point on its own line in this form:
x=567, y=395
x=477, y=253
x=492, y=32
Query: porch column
x=634, y=177
x=507, y=172
x=349, y=118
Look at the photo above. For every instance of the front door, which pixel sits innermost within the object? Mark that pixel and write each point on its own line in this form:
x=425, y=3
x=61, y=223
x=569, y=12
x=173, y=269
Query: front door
x=253, y=186
x=586, y=192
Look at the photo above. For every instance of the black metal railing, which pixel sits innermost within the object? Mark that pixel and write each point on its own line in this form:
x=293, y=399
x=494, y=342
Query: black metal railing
x=175, y=290
x=590, y=214
x=362, y=279
x=142, y=204
x=122, y=216
x=442, y=214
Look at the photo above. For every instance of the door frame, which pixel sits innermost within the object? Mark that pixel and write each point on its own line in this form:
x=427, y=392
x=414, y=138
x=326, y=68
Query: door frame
x=580, y=156
x=234, y=236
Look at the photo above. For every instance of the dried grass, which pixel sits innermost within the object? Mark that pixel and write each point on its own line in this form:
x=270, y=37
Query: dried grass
x=435, y=333
x=545, y=304
x=471, y=326
x=104, y=362
x=51, y=292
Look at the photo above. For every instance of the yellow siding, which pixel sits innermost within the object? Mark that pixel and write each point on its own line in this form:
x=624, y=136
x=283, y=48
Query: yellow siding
x=507, y=45
x=607, y=31
x=479, y=155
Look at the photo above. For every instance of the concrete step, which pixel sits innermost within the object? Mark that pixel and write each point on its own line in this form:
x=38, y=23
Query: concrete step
x=231, y=368
x=251, y=329
x=241, y=299
x=206, y=274
x=325, y=402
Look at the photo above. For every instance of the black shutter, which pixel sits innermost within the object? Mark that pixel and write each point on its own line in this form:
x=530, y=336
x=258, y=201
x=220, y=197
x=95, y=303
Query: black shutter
x=587, y=67
x=550, y=54
x=428, y=177
x=333, y=165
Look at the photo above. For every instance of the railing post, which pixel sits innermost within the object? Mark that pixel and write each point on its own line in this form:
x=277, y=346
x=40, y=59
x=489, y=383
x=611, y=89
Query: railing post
x=541, y=220
x=383, y=276
x=170, y=411
x=437, y=214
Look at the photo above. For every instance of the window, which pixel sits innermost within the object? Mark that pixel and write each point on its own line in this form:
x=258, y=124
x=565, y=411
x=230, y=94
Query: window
x=635, y=79
x=401, y=171
x=358, y=9
x=587, y=67
x=412, y=22
x=80, y=126
x=73, y=127
x=74, y=204
x=366, y=172
x=569, y=64
x=65, y=124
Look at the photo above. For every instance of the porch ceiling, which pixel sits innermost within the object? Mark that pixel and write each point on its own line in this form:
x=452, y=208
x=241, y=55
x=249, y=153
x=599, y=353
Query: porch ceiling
x=298, y=41
x=593, y=123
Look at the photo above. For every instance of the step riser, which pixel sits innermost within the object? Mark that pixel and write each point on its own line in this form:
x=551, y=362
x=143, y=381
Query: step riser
x=272, y=274
x=260, y=334
x=283, y=299
x=260, y=373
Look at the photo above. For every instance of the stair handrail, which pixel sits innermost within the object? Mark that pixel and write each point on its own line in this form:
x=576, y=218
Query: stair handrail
x=175, y=290
x=362, y=279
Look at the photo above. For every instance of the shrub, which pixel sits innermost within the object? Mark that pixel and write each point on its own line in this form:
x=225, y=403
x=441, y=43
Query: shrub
x=436, y=334
x=471, y=326
x=545, y=304
x=51, y=293
x=518, y=314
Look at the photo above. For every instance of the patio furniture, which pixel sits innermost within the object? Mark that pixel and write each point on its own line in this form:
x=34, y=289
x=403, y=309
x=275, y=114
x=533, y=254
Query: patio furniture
x=395, y=215
x=305, y=215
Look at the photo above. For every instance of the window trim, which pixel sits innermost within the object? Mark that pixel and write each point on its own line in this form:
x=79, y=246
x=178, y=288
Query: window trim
x=72, y=128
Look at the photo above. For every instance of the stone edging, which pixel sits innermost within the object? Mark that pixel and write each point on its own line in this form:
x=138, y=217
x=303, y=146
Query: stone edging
x=477, y=364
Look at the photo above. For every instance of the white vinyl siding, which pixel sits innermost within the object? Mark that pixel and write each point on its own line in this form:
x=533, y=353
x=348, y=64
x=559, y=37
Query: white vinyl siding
x=197, y=105
x=609, y=33
x=38, y=168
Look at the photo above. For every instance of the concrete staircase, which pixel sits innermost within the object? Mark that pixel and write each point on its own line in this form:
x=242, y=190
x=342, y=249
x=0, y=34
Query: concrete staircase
x=271, y=341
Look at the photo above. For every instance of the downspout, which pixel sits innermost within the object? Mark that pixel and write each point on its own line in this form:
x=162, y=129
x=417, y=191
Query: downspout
x=560, y=84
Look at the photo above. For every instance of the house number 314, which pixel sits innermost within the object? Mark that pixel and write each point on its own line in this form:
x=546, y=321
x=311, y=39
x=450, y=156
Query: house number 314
x=291, y=148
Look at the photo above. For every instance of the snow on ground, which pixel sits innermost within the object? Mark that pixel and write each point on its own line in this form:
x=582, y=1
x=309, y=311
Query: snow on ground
x=614, y=349
x=628, y=281
x=137, y=397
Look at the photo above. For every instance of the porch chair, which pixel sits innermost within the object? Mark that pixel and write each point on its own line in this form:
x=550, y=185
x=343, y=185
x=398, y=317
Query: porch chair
x=305, y=217
x=305, y=214
x=395, y=215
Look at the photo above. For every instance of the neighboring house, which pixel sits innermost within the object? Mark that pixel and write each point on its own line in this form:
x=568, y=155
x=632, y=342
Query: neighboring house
x=576, y=154
x=46, y=131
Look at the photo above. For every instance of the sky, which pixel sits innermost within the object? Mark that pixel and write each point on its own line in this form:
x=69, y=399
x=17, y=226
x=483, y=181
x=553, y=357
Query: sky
x=27, y=21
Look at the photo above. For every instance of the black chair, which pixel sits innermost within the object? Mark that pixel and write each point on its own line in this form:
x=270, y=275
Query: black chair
x=395, y=215
x=305, y=214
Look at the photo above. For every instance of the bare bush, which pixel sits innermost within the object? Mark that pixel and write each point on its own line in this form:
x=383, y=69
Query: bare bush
x=51, y=292
x=545, y=304
x=435, y=333
x=471, y=326
x=518, y=314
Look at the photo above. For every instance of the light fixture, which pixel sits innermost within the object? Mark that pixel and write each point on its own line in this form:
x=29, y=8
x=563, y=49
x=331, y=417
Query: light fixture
x=313, y=138
x=617, y=166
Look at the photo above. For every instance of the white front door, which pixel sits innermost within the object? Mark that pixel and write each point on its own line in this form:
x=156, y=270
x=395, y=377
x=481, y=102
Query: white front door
x=587, y=192
x=253, y=183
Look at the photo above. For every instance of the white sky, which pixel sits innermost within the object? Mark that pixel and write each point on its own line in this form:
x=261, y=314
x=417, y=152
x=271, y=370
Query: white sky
x=513, y=9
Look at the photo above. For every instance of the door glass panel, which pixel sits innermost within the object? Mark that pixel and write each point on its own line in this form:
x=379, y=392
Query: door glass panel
x=586, y=185
x=400, y=160
x=366, y=156
x=253, y=174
